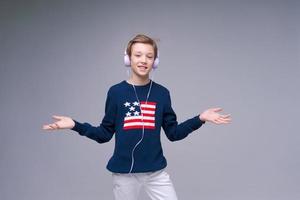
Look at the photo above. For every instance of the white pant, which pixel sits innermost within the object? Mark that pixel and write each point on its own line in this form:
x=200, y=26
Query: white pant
x=157, y=185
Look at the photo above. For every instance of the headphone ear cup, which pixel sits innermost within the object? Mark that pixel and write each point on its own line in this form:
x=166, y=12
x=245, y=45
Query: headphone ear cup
x=156, y=62
x=126, y=60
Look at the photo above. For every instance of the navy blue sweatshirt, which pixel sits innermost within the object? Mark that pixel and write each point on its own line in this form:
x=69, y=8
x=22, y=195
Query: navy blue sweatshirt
x=124, y=117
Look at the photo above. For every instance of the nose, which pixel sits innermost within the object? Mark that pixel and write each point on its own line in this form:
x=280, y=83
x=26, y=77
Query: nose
x=143, y=59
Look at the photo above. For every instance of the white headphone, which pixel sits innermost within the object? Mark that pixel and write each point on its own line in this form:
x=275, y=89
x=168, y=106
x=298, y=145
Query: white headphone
x=127, y=60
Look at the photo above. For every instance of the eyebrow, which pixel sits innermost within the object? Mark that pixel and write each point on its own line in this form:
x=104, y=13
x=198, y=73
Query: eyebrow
x=141, y=52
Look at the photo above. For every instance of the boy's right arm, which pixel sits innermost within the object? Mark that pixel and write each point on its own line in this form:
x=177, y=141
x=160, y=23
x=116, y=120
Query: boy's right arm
x=105, y=131
x=102, y=133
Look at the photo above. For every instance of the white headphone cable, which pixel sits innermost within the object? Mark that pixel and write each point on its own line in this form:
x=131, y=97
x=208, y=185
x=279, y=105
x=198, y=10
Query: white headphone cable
x=143, y=131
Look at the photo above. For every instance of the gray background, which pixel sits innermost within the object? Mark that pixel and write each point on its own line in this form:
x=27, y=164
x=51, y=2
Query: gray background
x=60, y=57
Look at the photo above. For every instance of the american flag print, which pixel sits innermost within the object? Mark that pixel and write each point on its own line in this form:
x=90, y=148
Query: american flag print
x=137, y=115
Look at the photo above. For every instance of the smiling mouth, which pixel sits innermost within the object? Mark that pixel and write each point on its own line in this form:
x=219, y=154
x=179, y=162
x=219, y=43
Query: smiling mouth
x=143, y=67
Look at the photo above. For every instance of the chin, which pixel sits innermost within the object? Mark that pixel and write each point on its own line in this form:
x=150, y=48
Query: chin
x=142, y=74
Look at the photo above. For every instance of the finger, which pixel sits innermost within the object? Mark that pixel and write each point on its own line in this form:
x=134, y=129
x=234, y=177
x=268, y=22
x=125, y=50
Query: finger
x=227, y=120
x=57, y=117
x=54, y=126
x=216, y=121
x=226, y=116
x=223, y=121
x=217, y=109
x=219, y=120
x=57, y=126
x=46, y=127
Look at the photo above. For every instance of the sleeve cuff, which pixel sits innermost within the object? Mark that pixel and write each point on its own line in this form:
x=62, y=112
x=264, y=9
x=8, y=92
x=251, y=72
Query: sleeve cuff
x=78, y=127
x=198, y=122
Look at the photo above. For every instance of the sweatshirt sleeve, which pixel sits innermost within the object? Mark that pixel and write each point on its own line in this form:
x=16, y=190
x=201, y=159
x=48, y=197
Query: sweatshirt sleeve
x=172, y=129
x=104, y=132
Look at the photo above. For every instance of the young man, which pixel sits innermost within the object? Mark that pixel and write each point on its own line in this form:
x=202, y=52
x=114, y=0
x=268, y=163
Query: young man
x=135, y=111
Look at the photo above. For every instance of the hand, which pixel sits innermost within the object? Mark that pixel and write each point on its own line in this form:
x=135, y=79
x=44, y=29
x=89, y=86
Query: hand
x=61, y=122
x=213, y=116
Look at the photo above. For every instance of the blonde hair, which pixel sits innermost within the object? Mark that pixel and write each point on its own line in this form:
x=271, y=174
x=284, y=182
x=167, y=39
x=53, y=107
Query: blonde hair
x=141, y=38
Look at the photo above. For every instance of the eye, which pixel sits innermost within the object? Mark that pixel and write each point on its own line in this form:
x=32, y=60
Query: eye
x=137, y=55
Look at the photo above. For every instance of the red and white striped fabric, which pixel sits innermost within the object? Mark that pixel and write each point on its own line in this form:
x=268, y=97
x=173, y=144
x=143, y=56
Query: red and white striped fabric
x=134, y=119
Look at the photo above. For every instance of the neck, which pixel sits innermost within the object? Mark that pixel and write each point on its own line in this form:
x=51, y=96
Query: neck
x=139, y=80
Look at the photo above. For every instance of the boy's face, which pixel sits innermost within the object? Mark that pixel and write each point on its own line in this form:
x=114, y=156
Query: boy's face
x=142, y=58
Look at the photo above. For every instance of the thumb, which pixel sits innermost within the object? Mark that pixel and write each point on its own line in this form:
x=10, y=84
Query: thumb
x=57, y=117
x=217, y=109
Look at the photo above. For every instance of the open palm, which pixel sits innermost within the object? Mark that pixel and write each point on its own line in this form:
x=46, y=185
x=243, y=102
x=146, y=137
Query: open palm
x=61, y=122
x=213, y=116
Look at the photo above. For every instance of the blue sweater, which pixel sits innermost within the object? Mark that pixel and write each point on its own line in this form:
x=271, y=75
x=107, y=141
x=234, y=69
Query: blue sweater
x=124, y=118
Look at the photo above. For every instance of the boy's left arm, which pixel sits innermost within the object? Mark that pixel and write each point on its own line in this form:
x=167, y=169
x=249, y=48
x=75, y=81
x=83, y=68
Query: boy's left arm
x=175, y=131
x=172, y=129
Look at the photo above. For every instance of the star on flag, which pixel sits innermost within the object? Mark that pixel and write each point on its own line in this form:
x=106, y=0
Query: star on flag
x=126, y=104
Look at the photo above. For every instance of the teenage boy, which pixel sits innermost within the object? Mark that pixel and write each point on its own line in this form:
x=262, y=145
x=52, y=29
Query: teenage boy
x=135, y=111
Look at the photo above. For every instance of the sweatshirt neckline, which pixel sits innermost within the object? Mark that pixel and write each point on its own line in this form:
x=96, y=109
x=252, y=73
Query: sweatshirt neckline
x=138, y=86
